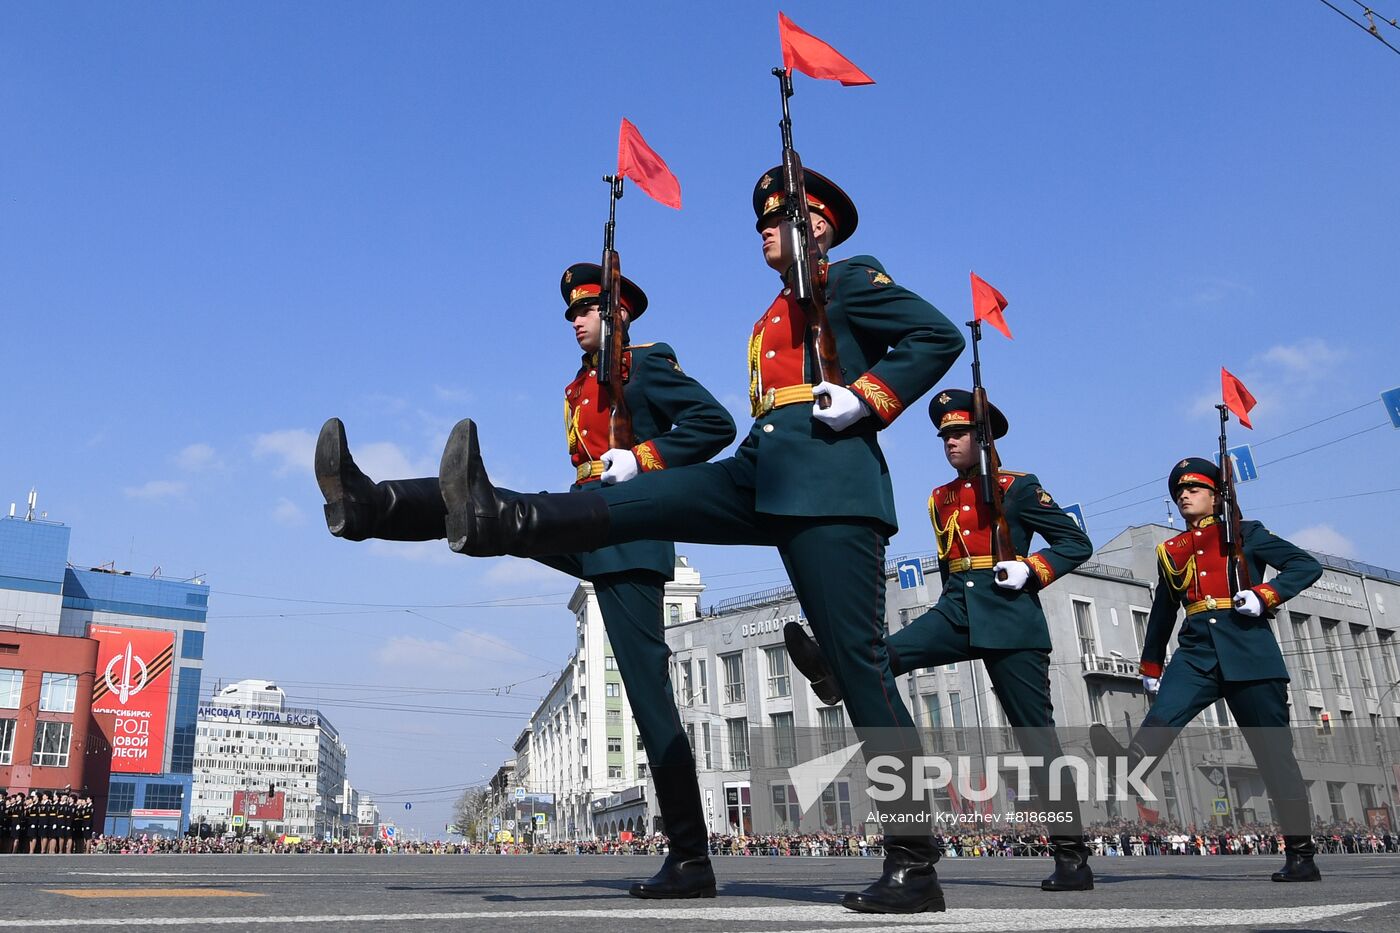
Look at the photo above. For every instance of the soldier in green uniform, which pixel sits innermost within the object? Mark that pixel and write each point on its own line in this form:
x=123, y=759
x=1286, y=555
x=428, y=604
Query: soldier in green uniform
x=676, y=422
x=808, y=480
x=1226, y=650
x=979, y=615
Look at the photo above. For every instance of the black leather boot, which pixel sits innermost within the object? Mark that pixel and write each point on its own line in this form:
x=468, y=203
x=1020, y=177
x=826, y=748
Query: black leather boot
x=1072, y=871
x=687, y=871
x=484, y=522
x=358, y=508
x=909, y=884
x=1298, y=865
x=807, y=657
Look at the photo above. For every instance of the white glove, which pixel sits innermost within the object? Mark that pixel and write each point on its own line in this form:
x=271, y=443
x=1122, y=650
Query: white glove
x=1248, y=603
x=621, y=465
x=1017, y=573
x=1151, y=685
x=846, y=407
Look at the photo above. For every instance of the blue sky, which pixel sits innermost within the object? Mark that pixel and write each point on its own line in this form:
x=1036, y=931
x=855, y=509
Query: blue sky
x=221, y=224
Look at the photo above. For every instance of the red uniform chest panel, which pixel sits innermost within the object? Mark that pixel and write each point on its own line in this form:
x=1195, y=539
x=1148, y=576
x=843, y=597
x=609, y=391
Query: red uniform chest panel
x=777, y=349
x=961, y=520
x=587, y=414
x=1199, y=550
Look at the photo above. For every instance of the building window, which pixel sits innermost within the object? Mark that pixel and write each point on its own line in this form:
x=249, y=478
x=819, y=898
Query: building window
x=58, y=693
x=1386, y=639
x=702, y=686
x=1306, y=664
x=1169, y=800
x=1095, y=704
x=614, y=717
x=935, y=720
x=836, y=807
x=787, y=812
x=614, y=771
x=738, y=743
x=673, y=612
x=51, y=741
x=612, y=690
x=1140, y=627
x=955, y=708
x=163, y=796
x=685, y=696
x=1363, y=662
x=121, y=797
x=1331, y=640
x=7, y=741
x=1084, y=626
x=1334, y=800
x=192, y=645
x=615, y=745
x=779, y=683
x=705, y=735
x=733, y=677
x=832, y=720
x=784, y=740
x=642, y=771
x=738, y=808
x=609, y=663
x=640, y=747
x=11, y=683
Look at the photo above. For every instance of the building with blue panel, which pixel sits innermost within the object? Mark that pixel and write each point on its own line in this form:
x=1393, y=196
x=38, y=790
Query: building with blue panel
x=41, y=591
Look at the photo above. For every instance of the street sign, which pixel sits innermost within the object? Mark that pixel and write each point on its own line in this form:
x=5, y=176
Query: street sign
x=1074, y=511
x=510, y=824
x=1391, y=400
x=240, y=820
x=1241, y=463
x=495, y=823
x=911, y=574
x=541, y=819
x=408, y=806
x=1217, y=777
x=1222, y=806
x=520, y=793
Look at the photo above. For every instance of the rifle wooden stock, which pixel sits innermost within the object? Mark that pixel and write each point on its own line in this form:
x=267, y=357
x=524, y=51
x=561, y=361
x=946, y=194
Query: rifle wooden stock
x=807, y=275
x=992, y=494
x=611, y=350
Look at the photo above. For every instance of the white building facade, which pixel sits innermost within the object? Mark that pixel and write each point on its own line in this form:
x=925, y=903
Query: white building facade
x=249, y=739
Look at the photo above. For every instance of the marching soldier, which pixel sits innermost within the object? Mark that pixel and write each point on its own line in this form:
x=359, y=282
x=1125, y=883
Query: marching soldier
x=1226, y=650
x=676, y=422
x=809, y=480
x=979, y=615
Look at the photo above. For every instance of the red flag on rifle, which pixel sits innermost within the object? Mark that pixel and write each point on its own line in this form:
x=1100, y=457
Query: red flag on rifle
x=1236, y=397
x=1146, y=814
x=987, y=304
x=639, y=162
x=804, y=52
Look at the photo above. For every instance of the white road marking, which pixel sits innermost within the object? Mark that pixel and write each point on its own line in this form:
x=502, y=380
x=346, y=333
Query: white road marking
x=968, y=919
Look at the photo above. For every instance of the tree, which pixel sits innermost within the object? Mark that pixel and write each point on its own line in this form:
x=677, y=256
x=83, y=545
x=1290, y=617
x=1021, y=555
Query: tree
x=469, y=812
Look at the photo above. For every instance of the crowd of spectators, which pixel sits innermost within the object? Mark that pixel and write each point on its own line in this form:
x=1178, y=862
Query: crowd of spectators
x=1121, y=838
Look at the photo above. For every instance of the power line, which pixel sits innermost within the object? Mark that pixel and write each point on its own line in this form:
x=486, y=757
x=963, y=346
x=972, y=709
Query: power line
x=1369, y=30
x=1371, y=17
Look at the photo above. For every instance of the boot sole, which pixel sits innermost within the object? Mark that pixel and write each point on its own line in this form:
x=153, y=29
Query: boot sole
x=687, y=895
x=330, y=445
x=1077, y=887
x=455, y=484
x=798, y=645
x=936, y=905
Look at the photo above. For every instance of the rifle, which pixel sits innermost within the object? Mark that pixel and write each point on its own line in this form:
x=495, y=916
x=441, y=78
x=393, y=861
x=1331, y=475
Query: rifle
x=805, y=277
x=613, y=331
x=990, y=464
x=1231, y=537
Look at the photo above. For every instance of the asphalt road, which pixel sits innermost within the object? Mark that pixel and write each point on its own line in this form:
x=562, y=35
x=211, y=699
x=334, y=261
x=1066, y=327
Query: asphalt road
x=587, y=893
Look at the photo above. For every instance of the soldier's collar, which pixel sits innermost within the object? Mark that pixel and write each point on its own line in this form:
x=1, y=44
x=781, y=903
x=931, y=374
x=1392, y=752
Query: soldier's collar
x=1205, y=522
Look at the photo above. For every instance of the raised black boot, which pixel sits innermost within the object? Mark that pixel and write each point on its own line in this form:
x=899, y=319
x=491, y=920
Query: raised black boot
x=687, y=871
x=1295, y=819
x=807, y=657
x=358, y=508
x=1072, y=871
x=909, y=884
x=483, y=521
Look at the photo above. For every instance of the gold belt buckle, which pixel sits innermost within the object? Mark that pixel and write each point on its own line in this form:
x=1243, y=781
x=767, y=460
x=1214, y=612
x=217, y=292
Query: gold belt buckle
x=770, y=398
x=1210, y=602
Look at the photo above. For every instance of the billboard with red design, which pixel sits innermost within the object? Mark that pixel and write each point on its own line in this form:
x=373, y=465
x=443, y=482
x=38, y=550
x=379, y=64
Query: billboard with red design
x=131, y=695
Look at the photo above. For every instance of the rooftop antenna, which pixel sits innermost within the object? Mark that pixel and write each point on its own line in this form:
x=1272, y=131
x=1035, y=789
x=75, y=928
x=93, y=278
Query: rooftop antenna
x=33, y=501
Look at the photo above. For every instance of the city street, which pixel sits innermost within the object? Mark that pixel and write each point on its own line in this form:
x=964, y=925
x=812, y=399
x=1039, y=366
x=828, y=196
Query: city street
x=585, y=893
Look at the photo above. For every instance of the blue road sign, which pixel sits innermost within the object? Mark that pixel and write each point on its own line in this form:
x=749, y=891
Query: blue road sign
x=911, y=574
x=408, y=806
x=1241, y=463
x=1392, y=405
x=1074, y=511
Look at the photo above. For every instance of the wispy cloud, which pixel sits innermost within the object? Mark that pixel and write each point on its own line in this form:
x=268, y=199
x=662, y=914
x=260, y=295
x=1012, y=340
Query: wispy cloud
x=1279, y=375
x=197, y=458
x=292, y=449
x=156, y=489
x=1209, y=292
x=515, y=571
x=454, y=394
x=466, y=652
x=1326, y=539
x=422, y=552
x=286, y=512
